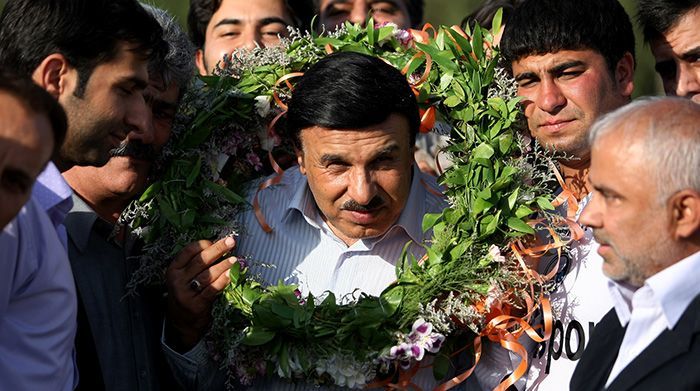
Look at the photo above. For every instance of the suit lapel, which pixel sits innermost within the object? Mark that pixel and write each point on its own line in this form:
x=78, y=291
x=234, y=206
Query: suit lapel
x=600, y=354
x=668, y=345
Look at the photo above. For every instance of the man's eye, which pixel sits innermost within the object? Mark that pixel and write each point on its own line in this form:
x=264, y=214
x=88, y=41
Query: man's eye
x=667, y=70
x=525, y=83
x=570, y=74
x=383, y=9
x=230, y=34
x=336, y=11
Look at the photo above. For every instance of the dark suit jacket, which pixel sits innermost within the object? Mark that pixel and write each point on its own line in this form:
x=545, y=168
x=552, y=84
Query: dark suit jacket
x=671, y=362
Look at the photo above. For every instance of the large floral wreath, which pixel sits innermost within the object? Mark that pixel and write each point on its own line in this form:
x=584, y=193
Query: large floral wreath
x=472, y=284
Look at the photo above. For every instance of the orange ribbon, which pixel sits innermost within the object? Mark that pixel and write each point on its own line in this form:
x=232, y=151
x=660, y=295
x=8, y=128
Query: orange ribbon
x=279, y=173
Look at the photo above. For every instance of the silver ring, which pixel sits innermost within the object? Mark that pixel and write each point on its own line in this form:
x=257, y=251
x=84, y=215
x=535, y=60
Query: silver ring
x=195, y=285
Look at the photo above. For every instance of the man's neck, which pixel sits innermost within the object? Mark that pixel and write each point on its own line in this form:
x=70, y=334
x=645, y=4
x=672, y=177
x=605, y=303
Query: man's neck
x=575, y=175
x=107, y=205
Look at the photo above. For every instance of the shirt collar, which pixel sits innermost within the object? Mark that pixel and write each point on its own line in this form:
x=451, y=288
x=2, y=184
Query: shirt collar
x=410, y=220
x=53, y=193
x=673, y=289
x=79, y=223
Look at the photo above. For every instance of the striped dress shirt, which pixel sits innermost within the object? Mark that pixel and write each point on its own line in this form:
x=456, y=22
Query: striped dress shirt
x=303, y=250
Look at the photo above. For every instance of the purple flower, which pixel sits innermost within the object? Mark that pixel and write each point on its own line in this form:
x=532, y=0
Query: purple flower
x=420, y=340
x=297, y=293
x=404, y=37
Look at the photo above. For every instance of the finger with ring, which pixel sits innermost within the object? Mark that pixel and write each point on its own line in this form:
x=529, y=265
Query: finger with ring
x=195, y=285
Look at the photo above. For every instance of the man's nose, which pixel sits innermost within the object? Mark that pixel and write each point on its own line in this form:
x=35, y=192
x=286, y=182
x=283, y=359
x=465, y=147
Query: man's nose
x=359, y=12
x=140, y=122
x=550, y=97
x=688, y=81
x=592, y=214
x=362, y=187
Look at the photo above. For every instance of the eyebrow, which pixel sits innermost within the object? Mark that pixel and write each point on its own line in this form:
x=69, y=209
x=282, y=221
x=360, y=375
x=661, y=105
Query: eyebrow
x=691, y=54
x=370, y=2
x=136, y=81
x=557, y=69
x=263, y=22
x=330, y=158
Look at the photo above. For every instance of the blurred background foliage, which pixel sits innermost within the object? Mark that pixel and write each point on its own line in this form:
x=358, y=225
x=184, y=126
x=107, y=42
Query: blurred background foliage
x=451, y=12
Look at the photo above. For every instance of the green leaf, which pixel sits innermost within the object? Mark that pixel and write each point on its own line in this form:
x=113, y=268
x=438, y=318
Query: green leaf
x=168, y=212
x=544, y=204
x=481, y=205
x=235, y=274
x=188, y=218
x=258, y=336
x=282, y=310
x=429, y=220
x=372, y=39
x=463, y=43
x=443, y=59
x=452, y=101
x=441, y=365
x=224, y=192
x=194, y=173
x=385, y=32
x=391, y=299
x=483, y=151
x=519, y=225
x=496, y=22
x=513, y=198
x=150, y=192
x=505, y=143
x=523, y=211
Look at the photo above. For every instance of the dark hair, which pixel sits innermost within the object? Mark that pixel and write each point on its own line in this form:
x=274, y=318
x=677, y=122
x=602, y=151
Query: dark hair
x=86, y=32
x=415, y=12
x=414, y=7
x=349, y=91
x=201, y=12
x=487, y=10
x=36, y=100
x=539, y=27
x=657, y=17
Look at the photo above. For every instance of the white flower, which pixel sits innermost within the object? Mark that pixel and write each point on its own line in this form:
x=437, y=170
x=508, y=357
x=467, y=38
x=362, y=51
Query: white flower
x=495, y=254
x=218, y=165
x=262, y=105
x=345, y=370
x=267, y=141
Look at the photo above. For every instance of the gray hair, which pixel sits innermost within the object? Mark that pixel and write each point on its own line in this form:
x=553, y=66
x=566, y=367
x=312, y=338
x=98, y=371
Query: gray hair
x=178, y=64
x=670, y=131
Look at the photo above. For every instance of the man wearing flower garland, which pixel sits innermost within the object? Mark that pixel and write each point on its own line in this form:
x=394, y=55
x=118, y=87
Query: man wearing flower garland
x=218, y=27
x=340, y=221
x=114, y=325
x=645, y=213
x=92, y=56
x=672, y=29
x=572, y=65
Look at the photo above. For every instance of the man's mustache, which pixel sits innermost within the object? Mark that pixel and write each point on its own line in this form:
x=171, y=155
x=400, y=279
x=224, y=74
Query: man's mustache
x=354, y=206
x=135, y=149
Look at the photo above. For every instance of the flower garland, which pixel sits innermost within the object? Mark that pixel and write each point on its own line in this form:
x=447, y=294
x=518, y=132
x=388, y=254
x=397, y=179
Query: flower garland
x=473, y=279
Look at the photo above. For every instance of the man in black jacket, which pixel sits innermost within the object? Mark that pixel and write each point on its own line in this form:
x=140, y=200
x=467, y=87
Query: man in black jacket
x=645, y=213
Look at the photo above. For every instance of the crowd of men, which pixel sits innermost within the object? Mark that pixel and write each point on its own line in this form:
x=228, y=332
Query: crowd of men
x=89, y=90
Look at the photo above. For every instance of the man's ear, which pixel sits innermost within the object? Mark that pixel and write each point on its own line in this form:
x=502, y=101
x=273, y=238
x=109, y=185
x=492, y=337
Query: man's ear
x=300, y=160
x=55, y=75
x=686, y=214
x=199, y=61
x=624, y=74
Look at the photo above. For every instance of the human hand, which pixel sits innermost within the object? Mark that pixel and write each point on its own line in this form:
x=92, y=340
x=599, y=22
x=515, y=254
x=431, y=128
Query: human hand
x=194, y=281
